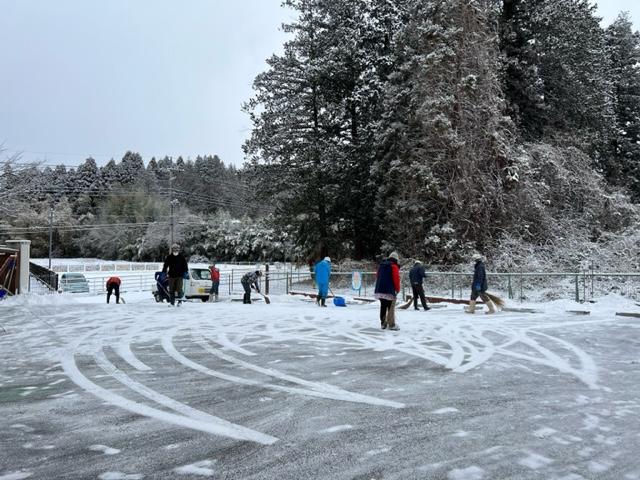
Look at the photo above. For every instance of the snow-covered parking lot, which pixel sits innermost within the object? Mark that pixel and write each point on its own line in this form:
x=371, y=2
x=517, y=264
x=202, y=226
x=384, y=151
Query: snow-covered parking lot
x=293, y=391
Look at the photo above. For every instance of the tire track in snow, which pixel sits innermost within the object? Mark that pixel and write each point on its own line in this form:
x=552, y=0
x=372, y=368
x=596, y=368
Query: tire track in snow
x=219, y=427
x=343, y=395
x=321, y=388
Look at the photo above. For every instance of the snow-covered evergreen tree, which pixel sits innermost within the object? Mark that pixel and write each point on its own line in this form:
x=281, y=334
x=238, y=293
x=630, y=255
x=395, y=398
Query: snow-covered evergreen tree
x=292, y=148
x=446, y=141
x=557, y=72
x=110, y=173
x=130, y=169
x=623, y=167
x=315, y=115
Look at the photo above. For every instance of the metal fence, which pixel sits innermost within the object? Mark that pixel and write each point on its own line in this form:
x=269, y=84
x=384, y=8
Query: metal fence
x=282, y=279
x=519, y=286
x=105, y=267
x=539, y=286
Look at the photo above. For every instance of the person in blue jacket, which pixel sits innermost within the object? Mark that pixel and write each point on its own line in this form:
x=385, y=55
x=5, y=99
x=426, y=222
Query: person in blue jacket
x=479, y=286
x=323, y=275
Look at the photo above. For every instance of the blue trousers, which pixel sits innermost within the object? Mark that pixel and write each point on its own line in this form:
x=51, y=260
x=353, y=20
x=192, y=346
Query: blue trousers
x=323, y=290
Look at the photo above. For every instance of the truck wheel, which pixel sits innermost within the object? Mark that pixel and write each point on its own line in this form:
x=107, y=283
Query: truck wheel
x=157, y=297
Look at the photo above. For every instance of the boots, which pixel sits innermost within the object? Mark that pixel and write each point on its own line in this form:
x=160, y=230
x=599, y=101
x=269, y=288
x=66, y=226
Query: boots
x=491, y=307
x=471, y=308
x=216, y=298
x=322, y=302
x=210, y=297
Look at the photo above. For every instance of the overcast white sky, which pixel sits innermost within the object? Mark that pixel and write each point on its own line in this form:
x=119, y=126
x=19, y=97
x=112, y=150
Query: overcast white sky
x=160, y=77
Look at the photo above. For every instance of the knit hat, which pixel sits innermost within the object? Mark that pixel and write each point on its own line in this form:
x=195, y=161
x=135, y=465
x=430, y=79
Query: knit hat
x=394, y=255
x=175, y=246
x=477, y=257
x=327, y=259
x=417, y=262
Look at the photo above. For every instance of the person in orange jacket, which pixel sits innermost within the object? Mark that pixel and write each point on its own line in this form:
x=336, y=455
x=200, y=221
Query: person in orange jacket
x=113, y=286
x=215, y=283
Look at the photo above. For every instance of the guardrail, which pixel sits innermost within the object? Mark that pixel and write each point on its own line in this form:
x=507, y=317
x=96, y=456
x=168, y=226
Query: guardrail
x=45, y=278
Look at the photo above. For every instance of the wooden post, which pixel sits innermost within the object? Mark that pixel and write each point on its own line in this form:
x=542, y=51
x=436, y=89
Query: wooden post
x=266, y=279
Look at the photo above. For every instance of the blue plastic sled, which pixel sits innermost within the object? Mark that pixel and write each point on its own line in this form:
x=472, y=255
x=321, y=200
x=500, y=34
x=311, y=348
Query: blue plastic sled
x=339, y=302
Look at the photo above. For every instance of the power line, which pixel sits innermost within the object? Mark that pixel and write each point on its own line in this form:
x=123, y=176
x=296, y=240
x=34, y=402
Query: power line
x=62, y=227
x=73, y=228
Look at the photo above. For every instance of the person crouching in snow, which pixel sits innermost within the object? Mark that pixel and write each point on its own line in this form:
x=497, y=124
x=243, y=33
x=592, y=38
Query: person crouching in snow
x=323, y=275
x=479, y=286
x=249, y=281
x=113, y=286
x=387, y=289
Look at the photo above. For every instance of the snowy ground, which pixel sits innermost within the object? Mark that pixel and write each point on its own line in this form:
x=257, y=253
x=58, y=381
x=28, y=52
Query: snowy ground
x=293, y=391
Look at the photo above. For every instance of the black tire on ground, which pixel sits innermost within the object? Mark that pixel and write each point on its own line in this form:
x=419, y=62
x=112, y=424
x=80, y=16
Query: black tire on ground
x=157, y=297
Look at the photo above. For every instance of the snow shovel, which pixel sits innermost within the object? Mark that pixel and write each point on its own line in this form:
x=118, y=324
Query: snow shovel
x=266, y=298
x=338, y=301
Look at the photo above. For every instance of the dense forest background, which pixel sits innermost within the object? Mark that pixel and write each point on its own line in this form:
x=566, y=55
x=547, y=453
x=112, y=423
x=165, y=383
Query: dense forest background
x=123, y=210
x=434, y=128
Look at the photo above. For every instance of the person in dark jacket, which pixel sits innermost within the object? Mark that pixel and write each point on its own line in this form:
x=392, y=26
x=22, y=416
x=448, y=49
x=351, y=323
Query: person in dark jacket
x=479, y=286
x=416, y=276
x=387, y=289
x=176, y=268
x=250, y=280
x=113, y=286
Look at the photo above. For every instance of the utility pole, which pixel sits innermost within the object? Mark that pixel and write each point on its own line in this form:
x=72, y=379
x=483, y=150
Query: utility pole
x=50, y=232
x=173, y=202
x=171, y=222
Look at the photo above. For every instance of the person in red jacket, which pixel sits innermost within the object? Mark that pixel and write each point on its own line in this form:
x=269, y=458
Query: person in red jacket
x=113, y=285
x=387, y=289
x=215, y=283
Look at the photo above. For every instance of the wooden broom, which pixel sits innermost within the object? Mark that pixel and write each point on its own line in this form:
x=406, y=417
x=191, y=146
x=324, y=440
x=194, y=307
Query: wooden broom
x=495, y=299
